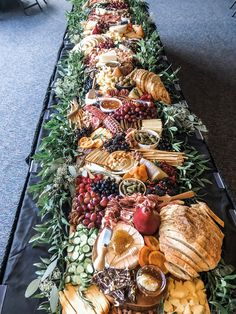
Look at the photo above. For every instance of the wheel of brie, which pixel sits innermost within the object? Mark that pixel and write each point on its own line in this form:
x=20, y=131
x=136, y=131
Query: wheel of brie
x=124, y=247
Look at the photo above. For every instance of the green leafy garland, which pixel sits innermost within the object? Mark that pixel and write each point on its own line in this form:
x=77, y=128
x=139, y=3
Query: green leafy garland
x=55, y=189
x=57, y=155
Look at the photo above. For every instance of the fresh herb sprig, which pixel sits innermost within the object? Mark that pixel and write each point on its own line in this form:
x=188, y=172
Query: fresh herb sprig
x=74, y=19
x=190, y=174
x=73, y=76
x=54, y=191
x=221, y=288
x=150, y=53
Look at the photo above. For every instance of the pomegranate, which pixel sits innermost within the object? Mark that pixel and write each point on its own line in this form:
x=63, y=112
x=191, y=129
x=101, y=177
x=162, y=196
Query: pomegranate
x=146, y=219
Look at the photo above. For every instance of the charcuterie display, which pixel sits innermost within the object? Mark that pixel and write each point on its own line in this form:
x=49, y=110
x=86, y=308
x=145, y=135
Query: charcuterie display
x=120, y=190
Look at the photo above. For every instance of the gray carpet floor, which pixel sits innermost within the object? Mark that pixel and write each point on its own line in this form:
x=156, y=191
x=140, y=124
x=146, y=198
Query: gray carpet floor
x=28, y=51
x=199, y=36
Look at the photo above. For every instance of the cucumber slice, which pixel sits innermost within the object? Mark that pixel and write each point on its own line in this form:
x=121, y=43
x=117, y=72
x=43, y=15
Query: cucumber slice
x=83, y=275
x=70, y=248
x=91, y=241
x=91, y=231
x=77, y=248
x=83, y=244
x=87, y=261
x=94, y=236
x=79, y=227
x=86, y=249
x=71, y=268
x=76, y=240
x=67, y=279
x=81, y=257
x=79, y=269
x=88, y=254
x=76, y=280
x=84, y=238
x=71, y=235
x=90, y=269
x=74, y=256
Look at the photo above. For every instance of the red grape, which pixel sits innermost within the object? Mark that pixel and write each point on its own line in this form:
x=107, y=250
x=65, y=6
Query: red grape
x=91, y=225
x=87, y=215
x=86, y=200
x=104, y=202
x=93, y=217
x=81, y=198
x=86, y=222
x=132, y=111
x=90, y=206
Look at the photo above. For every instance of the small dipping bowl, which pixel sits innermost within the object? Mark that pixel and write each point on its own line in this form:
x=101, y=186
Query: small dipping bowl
x=131, y=180
x=151, y=132
x=155, y=273
x=110, y=104
x=112, y=64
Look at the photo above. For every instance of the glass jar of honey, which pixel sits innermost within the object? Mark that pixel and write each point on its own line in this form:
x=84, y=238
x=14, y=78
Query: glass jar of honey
x=151, y=281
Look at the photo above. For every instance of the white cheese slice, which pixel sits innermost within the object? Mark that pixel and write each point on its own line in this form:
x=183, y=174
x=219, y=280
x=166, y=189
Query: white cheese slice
x=108, y=57
x=90, y=25
x=121, y=29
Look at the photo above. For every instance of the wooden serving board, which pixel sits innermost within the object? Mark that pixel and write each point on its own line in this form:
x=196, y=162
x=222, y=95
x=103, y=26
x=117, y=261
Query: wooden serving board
x=143, y=303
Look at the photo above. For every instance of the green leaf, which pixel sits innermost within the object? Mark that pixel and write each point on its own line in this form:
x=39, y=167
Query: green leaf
x=49, y=269
x=72, y=171
x=54, y=299
x=34, y=238
x=32, y=287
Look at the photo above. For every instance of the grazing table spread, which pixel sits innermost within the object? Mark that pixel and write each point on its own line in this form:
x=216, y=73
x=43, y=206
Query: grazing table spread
x=131, y=219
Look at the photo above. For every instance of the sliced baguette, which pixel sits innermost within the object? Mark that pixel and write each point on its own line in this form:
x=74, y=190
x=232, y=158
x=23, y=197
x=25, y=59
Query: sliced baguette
x=176, y=271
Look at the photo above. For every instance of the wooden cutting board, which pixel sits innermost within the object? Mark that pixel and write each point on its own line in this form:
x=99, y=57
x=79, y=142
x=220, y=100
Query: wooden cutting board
x=143, y=303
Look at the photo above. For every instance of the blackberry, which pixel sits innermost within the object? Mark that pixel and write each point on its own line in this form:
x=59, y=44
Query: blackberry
x=117, y=143
x=106, y=187
x=79, y=133
x=164, y=143
x=166, y=186
x=88, y=83
x=159, y=191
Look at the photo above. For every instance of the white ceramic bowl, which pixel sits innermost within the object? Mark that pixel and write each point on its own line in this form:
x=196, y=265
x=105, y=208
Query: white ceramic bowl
x=128, y=180
x=119, y=102
x=152, y=146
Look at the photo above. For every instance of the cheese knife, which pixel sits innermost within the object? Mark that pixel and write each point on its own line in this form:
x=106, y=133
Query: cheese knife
x=99, y=263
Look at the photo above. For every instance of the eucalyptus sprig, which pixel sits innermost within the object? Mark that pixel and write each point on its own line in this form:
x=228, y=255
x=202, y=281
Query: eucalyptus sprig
x=221, y=287
x=72, y=82
x=150, y=53
x=179, y=116
x=190, y=174
x=56, y=156
x=74, y=19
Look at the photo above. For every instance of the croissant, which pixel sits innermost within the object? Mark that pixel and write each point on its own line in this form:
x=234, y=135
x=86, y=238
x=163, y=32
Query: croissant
x=151, y=83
